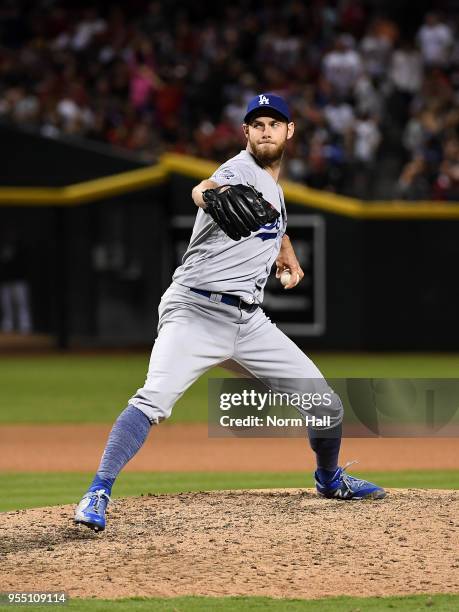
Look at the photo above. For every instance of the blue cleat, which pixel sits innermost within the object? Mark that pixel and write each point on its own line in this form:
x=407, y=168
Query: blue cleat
x=91, y=510
x=346, y=487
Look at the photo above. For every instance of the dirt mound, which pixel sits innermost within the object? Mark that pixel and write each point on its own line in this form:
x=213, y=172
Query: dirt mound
x=279, y=543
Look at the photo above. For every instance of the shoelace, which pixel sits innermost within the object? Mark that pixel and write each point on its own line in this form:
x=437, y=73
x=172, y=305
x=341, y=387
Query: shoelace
x=99, y=494
x=349, y=463
x=347, y=478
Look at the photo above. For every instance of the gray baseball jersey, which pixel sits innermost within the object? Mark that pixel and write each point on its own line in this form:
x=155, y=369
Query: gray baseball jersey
x=215, y=262
x=195, y=333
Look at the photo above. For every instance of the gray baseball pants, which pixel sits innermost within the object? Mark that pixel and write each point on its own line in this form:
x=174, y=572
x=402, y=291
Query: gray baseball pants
x=196, y=334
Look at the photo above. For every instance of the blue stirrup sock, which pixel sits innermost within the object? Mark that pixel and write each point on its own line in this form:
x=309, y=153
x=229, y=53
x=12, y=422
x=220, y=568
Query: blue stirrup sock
x=126, y=438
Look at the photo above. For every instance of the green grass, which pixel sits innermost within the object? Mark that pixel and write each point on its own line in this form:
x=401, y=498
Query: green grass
x=28, y=490
x=94, y=389
x=82, y=389
x=235, y=604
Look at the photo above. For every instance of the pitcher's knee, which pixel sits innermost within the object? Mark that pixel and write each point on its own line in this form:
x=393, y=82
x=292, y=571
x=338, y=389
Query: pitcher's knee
x=155, y=408
x=325, y=409
x=335, y=410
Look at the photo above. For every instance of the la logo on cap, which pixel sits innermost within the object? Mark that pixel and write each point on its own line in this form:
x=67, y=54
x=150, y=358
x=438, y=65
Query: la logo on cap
x=263, y=99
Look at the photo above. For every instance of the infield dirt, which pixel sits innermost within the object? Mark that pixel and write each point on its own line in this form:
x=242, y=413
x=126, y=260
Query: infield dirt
x=284, y=543
x=188, y=448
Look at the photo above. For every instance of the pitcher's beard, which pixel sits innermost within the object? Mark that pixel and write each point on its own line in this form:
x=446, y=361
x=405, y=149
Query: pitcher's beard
x=267, y=154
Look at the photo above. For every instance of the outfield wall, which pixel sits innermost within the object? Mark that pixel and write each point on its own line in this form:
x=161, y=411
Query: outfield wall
x=100, y=251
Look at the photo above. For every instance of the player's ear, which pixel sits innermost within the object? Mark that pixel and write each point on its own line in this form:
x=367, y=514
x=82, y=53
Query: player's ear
x=245, y=129
x=290, y=129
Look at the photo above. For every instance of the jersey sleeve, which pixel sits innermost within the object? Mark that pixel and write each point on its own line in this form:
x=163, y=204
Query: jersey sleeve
x=234, y=174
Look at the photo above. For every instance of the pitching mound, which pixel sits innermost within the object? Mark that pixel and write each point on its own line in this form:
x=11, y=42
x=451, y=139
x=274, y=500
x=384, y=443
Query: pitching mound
x=280, y=543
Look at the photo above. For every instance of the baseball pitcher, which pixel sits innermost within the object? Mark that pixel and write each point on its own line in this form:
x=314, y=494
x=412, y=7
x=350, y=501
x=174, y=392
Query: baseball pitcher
x=212, y=311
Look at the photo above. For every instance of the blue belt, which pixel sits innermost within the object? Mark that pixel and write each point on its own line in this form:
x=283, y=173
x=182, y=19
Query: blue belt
x=226, y=298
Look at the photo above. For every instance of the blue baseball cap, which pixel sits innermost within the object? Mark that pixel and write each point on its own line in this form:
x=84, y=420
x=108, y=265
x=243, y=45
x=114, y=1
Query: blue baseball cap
x=267, y=101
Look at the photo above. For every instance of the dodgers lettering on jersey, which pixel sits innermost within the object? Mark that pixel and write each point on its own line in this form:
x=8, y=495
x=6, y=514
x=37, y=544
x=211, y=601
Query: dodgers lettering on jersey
x=215, y=262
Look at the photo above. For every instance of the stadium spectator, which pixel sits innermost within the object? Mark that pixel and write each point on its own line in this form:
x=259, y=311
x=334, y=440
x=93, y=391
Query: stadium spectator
x=447, y=184
x=14, y=288
x=342, y=66
x=367, y=97
x=339, y=116
x=366, y=138
x=435, y=40
x=376, y=47
x=79, y=36
x=414, y=181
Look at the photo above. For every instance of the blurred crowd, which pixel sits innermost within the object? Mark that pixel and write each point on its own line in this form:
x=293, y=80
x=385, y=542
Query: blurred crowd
x=374, y=101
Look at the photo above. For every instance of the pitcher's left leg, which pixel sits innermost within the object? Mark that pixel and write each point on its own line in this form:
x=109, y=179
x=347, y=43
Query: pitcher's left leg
x=266, y=352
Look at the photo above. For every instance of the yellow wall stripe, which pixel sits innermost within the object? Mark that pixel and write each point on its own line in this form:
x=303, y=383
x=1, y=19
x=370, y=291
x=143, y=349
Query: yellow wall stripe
x=172, y=163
